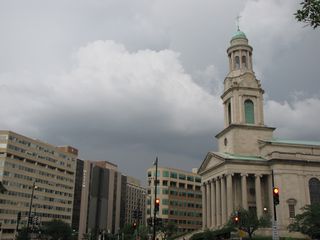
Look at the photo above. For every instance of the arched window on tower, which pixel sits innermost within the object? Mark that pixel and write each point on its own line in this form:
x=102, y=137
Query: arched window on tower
x=249, y=111
x=237, y=62
x=229, y=113
x=244, y=62
x=314, y=188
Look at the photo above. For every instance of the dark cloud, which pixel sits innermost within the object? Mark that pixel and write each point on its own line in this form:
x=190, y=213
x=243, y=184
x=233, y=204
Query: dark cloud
x=126, y=81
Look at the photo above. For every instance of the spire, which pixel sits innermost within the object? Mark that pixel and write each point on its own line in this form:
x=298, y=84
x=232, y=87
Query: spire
x=238, y=23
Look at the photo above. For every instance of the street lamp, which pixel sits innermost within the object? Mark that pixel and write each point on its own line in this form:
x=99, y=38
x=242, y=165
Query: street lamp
x=34, y=186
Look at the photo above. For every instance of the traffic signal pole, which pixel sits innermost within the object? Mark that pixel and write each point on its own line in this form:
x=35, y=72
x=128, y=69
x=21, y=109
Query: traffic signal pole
x=274, y=205
x=275, y=234
x=155, y=197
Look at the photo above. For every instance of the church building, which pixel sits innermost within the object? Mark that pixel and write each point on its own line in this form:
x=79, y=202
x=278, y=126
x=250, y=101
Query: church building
x=239, y=174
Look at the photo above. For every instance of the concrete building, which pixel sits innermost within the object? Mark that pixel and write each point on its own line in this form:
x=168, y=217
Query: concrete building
x=133, y=198
x=180, y=197
x=77, y=196
x=100, y=198
x=26, y=162
x=239, y=174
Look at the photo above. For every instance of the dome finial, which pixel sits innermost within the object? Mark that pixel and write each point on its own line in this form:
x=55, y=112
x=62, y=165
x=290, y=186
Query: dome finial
x=238, y=22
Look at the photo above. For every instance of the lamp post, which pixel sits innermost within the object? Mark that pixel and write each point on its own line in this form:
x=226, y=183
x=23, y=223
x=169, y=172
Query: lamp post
x=30, y=206
x=155, y=197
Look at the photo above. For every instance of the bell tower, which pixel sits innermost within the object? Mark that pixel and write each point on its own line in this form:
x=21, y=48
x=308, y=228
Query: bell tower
x=243, y=102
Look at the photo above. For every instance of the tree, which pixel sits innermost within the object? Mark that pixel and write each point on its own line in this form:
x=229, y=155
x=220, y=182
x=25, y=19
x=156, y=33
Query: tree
x=307, y=222
x=57, y=230
x=22, y=234
x=168, y=229
x=248, y=221
x=309, y=13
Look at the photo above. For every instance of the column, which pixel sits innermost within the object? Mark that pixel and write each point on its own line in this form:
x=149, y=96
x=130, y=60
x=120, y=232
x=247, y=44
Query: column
x=208, y=194
x=204, y=211
x=258, y=195
x=229, y=195
x=223, y=201
x=213, y=204
x=244, y=192
x=218, y=203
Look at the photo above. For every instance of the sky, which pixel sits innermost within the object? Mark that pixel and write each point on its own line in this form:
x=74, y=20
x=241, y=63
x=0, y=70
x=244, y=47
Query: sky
x=128, y=80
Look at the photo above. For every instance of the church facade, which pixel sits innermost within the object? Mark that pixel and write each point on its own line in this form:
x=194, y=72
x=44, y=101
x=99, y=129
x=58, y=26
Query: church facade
x=249, y=158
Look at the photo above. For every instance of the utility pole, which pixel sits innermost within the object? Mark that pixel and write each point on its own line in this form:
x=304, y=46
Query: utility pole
x=30, y=206
x=155, y=198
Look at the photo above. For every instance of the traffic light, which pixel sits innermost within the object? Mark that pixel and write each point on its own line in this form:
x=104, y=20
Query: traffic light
x=236, y=217
x=157, y=204
x=275, y=192
x=134, y=225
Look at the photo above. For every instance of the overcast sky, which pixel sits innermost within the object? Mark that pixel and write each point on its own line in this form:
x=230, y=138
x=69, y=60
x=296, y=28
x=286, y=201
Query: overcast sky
x=129, y=80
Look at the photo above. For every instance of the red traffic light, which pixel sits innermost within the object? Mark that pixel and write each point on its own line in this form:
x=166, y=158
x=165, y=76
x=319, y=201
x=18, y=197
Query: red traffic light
x=236, y=219
x=157, y=201
x=276, y=199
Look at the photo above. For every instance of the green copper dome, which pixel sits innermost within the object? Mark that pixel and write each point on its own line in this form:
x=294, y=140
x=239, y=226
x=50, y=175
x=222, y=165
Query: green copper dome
x=239, y=34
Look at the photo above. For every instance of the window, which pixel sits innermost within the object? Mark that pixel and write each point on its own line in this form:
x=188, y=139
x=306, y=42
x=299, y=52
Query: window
x=291, y=204
x=173, y=174
x=182, y=176
x=165, y=174
x=237, y=62
x=314, y=188
x=229, y=113
x=190, y=178
x=164, y=183
x=244, y=61
x=149, y=174
x=249, y=111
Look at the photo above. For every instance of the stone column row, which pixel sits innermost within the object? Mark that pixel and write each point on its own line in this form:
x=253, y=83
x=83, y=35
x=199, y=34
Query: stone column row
x=218, y=199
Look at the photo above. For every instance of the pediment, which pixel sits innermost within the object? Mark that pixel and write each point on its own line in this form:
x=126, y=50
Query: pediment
x=210, y=161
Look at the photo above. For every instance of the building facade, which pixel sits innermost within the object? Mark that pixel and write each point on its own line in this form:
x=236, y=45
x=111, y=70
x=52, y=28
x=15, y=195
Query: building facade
x=100, y=198
x=28, y=165
x=180, y=194
x=240, y=173
x=133, y=200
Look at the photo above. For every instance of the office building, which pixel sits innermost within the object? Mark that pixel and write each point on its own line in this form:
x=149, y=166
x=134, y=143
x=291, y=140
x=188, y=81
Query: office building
x=28, y=165
x=100, y=198
x=133, y=202
x=180, y=196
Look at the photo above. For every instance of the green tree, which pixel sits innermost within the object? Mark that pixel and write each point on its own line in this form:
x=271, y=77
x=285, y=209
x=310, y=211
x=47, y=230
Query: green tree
x=309, y=13
x=168, y=230
x=308, y=222
x=57, y=230
x=22, y=234
x=248, y=221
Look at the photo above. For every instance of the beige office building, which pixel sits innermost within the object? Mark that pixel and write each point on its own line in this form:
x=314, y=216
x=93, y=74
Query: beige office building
x=239, y=174
x=25, y=162
x=180, y=197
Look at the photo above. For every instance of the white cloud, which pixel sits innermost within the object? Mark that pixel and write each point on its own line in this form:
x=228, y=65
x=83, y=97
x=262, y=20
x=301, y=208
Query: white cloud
x=118, y=90
x=296, y=120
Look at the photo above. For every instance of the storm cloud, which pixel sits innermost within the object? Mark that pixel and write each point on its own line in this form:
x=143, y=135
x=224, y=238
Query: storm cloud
x=126, y=81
